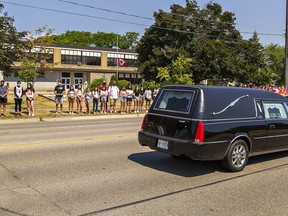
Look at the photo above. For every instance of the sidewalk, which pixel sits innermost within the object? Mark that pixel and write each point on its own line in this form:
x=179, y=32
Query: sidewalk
x=71, y=118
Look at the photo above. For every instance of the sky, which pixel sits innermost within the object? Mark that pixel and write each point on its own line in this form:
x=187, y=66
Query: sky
x=266, y=17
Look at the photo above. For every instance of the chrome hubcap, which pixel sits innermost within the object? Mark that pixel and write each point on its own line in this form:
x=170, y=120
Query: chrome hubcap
x=239, y=155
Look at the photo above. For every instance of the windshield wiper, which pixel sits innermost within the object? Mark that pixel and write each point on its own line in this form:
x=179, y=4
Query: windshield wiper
x=230, y=105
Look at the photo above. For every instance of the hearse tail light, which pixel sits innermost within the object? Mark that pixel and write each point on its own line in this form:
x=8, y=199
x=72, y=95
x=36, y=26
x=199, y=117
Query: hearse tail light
x=199, y=136
x=144, y=122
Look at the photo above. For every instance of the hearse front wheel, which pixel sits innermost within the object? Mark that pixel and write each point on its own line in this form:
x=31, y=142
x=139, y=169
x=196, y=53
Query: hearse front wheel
x=236, y=157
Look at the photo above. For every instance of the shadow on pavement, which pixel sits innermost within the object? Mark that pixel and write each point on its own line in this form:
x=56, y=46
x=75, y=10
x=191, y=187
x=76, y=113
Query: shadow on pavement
x=267, y=157
x=191, y=168
x=177, y=166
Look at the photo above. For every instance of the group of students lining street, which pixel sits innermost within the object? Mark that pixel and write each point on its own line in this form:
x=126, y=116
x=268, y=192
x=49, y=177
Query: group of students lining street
x=100, y=99
x=19, y=92
x=104, y=98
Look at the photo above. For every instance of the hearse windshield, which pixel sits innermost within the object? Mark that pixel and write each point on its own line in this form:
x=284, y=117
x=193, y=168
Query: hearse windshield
x=175, y=101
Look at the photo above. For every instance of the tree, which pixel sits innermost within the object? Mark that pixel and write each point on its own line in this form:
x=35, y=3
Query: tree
x=272, y=72
x=10, y=42
x=206, y=35
x=130, y=40
x=99, y=39
x=179, y=72
x=35, y=58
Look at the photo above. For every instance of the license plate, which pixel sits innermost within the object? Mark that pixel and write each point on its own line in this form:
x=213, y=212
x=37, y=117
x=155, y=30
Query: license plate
x=163, y=144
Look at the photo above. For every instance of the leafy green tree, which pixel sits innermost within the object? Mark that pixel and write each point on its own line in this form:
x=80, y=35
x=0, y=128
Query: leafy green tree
x=207, y=35
x=99, y=39
x=179, y=72
x=123, y=83
x=11, y=42
x=274, y=65
x=107, y=40
x=130, y=40
x=35, y=57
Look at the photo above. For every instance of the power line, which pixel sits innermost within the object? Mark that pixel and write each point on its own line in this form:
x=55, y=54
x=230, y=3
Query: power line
x=137, y=6
x=106, y=10
x=121, y=21
x=147, y=18
x=73, y=13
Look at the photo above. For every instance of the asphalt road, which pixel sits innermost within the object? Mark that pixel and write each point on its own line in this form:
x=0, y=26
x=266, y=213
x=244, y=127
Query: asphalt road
x=96, y=167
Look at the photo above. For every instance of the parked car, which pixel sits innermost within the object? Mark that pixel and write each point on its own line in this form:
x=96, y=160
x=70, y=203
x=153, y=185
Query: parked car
x=216, y=123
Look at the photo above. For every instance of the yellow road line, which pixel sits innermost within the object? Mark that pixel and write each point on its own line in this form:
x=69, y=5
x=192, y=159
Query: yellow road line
x=65, y=141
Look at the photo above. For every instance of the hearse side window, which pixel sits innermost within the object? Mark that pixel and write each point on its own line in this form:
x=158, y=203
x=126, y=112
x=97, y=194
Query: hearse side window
x=175, y=101
x=260, y=113
x=274, y=110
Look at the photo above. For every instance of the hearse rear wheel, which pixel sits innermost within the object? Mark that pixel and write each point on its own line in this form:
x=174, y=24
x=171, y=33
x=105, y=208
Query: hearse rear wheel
x=236, y=157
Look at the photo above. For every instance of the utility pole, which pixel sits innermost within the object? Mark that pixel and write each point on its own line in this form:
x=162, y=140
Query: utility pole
x=286, y=48
x=117, y=72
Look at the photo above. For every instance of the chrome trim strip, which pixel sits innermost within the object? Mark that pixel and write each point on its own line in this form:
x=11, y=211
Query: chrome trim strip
x=214, y=142
x=230, y=105
x=267, y=137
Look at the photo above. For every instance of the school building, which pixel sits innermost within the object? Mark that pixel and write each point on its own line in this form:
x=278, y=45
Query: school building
x=81, y=65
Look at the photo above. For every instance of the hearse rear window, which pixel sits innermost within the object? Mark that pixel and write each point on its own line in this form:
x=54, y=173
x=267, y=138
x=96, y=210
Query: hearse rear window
x=175, y=101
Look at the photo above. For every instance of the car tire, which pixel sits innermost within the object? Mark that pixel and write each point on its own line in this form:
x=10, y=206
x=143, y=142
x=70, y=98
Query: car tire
x=236, y=157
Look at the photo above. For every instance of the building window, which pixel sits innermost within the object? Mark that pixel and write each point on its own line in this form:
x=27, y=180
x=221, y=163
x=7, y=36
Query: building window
x=70, y=57
x=91, y=58
x=65, y=74
x=43, y=56
x=80, y=57
x=128, y=60
x=78, y=75
x=16, y=74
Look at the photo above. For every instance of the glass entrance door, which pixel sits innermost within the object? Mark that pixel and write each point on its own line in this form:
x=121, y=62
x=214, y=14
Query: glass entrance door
x=77, y=82
x=66, y=82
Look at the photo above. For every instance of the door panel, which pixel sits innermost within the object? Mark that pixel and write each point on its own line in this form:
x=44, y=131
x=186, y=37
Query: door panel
x=277, y=125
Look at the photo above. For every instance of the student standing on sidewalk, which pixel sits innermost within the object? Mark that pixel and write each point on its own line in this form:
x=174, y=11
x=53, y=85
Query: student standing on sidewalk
x=3, y=98
x=123, y=100
x=95, y=95
x=71, y=99
x=113, y=96
x=30, y=99
x=104, y=98
x=136, y=99
x=88, y=98
x=148, y=97
x=130, y=94
x=18, y=94
x=79, y=99
x=59, y=92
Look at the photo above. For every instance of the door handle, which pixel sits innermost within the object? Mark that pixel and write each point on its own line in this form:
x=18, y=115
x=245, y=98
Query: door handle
x=272, y=126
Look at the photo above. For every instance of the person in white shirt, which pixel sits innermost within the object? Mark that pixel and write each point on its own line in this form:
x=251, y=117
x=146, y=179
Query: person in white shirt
x=113, y=95
x=103, y=97
x=148, y=97
x=79, y=99
x=30, y=99
x=88, y=97
x=18, y=93
x=71, y=94
x=130, y=94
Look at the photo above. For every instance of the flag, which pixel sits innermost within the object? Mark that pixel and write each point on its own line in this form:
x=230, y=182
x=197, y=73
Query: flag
x=122, y=63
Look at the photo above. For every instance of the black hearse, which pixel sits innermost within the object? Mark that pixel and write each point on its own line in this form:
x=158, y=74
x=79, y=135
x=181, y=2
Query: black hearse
x=216, y=123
